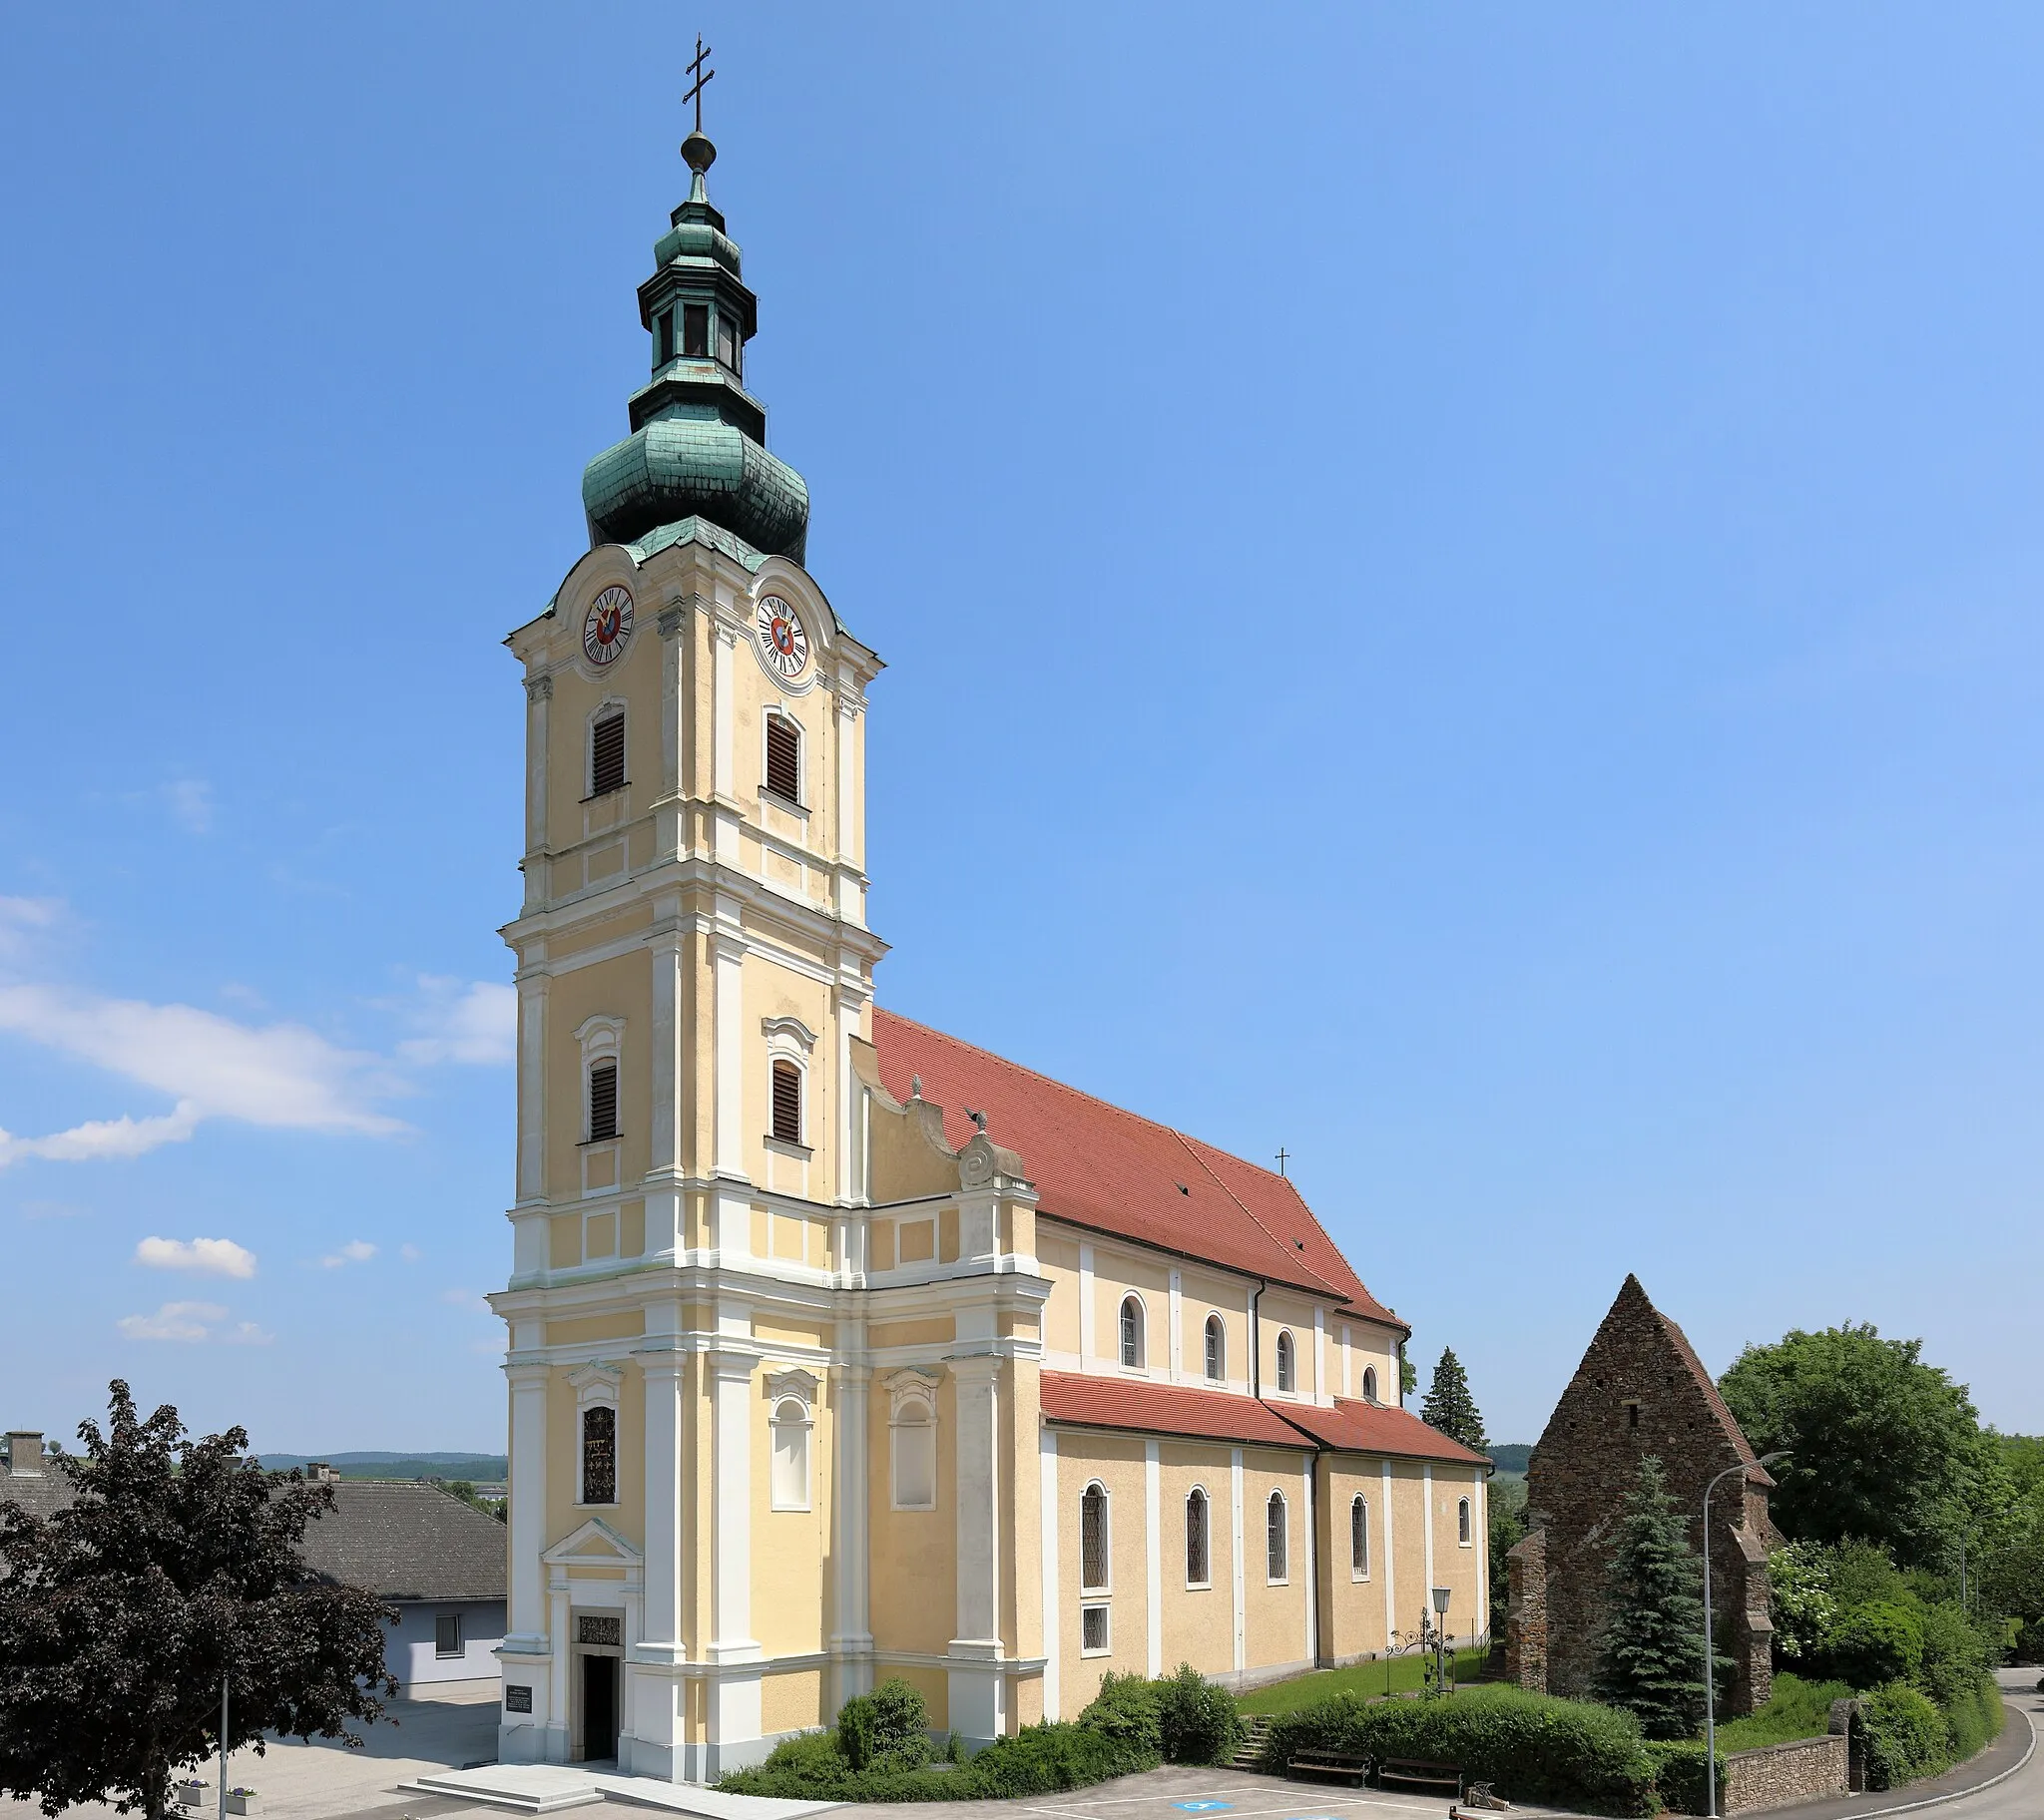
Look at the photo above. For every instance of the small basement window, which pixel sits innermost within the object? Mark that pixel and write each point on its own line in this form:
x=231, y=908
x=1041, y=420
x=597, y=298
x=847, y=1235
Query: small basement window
x=696, y=330
x=784, y=758
x=787, y=1103
x=447, y=1633
x=607, y=756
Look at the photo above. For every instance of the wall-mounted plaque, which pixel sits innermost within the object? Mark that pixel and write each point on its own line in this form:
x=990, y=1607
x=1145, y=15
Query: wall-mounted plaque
x=600, y=1631
x=517, y=1699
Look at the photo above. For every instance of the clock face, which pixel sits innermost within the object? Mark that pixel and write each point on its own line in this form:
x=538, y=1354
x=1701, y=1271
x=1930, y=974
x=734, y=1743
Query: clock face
x=607, y=625
x=783, y=636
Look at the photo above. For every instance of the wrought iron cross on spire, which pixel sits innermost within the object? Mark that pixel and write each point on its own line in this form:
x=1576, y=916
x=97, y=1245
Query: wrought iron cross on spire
x=702, y=77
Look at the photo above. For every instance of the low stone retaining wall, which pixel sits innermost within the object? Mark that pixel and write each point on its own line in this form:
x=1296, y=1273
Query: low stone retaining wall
x=1780, y=1775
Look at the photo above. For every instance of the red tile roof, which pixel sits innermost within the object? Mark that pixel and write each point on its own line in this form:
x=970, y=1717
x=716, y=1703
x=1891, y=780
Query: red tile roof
x=1358, y=1427
x=1164, y=1409
x=1096, y=1165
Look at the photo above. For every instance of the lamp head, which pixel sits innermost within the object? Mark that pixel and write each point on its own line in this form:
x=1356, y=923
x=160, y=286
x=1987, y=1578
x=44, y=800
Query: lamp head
x=1440, y=1601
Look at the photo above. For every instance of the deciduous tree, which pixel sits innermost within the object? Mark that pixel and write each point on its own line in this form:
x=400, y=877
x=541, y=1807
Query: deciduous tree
x=177, y=1565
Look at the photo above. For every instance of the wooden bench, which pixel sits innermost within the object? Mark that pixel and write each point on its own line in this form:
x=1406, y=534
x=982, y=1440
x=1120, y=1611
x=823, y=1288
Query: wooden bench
x=1420, y=1772
x=1329, y=1763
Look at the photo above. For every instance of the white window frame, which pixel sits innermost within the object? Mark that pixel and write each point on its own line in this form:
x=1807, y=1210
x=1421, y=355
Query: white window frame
x=460, y=1642
x=792, y=1040
x=1362, y=1573
x=1284, y=1503
x=1105, y=1589
x=607, y=708
x=774, y=710
x=908, y=1391
x=595, y=1386
x=1369, y=1384
x=601, y=1039
x=1206, y=1499
x=1121, y=1349
x=1465, y=1524
x=1286, y=1350
x=1105, y=1646
x=1213, y=1348
x=793, y=1389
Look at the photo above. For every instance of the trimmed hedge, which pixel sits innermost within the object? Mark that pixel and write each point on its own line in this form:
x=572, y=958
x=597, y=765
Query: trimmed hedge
x=1528, y=1746
x=1678, y=1775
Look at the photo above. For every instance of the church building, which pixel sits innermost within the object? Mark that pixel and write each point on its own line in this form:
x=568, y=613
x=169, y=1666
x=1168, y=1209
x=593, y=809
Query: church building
x=841, y=1349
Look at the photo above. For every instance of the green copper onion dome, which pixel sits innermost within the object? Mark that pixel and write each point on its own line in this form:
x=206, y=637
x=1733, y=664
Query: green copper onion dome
x=698, y=446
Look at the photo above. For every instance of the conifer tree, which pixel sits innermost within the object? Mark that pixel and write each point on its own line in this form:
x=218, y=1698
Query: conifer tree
x=1653, y=1648
x=1449, y=1408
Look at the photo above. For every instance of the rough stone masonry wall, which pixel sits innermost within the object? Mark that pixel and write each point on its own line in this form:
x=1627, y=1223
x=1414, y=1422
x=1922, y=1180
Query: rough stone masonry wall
x=1780, y=1775
x=1526, y=1625
x=1639, y=1391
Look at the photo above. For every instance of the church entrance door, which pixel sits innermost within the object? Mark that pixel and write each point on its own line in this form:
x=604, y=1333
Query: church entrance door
x=599, y=1707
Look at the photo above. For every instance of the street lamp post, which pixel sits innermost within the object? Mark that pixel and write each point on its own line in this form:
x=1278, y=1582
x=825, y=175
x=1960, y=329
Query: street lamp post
x=1440, y=1627
x=1710, y=1649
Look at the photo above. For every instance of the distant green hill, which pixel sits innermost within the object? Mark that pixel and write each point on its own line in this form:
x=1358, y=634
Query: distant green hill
x=485, y=1469
x=1510, y=1458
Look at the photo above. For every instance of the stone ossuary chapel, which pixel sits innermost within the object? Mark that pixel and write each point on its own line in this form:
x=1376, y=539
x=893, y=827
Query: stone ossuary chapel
x=1641, y=1390
x=838, y=1348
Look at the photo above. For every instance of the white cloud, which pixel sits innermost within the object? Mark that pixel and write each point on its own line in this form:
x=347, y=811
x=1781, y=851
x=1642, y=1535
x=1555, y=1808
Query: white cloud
x=50, y=1209
x=410, y=1253
x=189, y=800
x=278, y=1075
x=22, y=918
x=247, y=1333
x=185, y=1321
x=207, y=1256
x=355, y=1251
x=477, y=1023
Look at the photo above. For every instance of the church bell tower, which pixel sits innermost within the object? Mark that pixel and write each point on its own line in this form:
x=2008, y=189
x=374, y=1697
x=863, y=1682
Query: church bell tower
x=695, y=974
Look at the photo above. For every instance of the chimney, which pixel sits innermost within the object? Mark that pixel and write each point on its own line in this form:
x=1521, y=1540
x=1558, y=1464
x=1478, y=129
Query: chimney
x=25, y=1453
x=319, y=1472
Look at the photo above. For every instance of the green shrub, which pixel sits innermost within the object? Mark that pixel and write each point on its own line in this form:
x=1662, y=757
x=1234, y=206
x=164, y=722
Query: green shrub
x=1200, y=1721
x=1045, y=1760
x=1873, y=1645
x=1974, y=1718
x=1679, y=1776
x=885, y=1729
x=1128, y=1710
x=805, y=1768
x=1528, y=1746
x=1906, y=1736
x=1796, y=1708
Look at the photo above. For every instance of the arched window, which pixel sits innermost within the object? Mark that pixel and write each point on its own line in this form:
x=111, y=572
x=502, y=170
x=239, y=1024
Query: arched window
x=790, y=1455
x=1093, y=1561
x=1216, y=1349
x=1199, y=1565
x=1132, y=1331
x=784, y=757
x=1274, y=1536
x=1462, y=1521
x=1358, y=1538
x=914, y=1449
x=787, y=1103
x=603, y=1099
x=1369, y=1383
x=599, y=1454
x=1287, y=1368
x=607, y=753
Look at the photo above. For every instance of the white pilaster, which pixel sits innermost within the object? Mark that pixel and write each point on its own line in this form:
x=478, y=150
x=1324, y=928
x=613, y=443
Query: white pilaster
x=978, y=1692
x=1178, y=1337
x=532, y=1087
x=728, y=960
x=559, y=1703
x=1479, y=1539
x=1053, y=1637
x=1320, y=1394
x=1390, y=1562
x=730, y=1537
x=851, y=1631
x=667, y=822
x=1347, y=1361
x=539, y=698
x=724, y=745
x=1313, y=1565
x=664, y=1202
x=1236, y=1549
x=665, y=1376
x=526, y=1520
x=1152, y=1538
x=1427, y=1497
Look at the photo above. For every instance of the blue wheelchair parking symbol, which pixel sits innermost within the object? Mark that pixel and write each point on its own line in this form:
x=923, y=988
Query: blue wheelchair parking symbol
x=1203, y=1807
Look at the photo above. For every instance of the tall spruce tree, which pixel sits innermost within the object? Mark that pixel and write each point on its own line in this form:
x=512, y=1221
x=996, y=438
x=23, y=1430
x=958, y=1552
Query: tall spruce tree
x=1653, y=1648
x=1449, y=1408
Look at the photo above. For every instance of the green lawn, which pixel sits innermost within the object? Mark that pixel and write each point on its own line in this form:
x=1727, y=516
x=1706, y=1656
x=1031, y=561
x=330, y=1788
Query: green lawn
x=1799, y=1709
x=1408, y=1675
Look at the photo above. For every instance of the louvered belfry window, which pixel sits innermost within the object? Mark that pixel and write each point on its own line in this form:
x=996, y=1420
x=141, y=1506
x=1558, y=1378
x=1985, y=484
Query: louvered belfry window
x=783, y=758
x=787, y=1103
x=603, y=1102
x=607, y=756
x=599, y=1454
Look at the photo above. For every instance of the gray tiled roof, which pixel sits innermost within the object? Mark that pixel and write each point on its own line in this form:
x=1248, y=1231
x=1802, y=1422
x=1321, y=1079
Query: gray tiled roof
x=403, y=1539
x=400, y=1539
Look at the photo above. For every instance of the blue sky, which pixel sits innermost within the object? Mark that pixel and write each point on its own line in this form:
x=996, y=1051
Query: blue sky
x=1460, y=589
